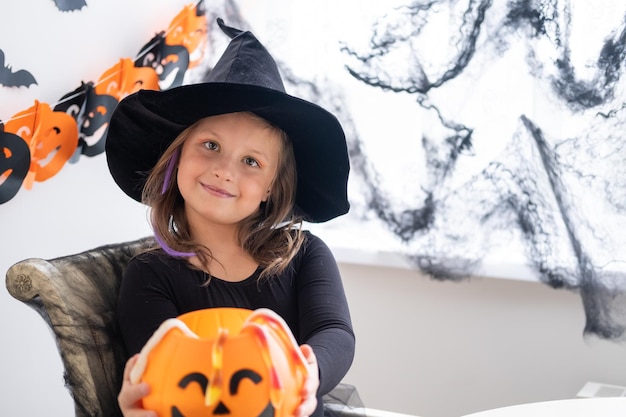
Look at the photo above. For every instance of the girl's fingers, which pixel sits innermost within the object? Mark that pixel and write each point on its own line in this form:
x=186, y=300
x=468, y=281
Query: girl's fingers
x=129, y=365
x=310, y=386
x=129, y=398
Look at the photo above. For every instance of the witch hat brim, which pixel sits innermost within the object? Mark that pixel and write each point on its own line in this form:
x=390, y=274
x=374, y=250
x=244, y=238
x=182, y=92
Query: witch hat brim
x=245, y=79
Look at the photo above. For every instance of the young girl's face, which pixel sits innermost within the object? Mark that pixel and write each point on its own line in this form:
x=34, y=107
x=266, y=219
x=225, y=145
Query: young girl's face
x=226, y=168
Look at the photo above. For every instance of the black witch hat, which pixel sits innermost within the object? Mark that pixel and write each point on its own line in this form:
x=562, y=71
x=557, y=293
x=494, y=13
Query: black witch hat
x=245, y=79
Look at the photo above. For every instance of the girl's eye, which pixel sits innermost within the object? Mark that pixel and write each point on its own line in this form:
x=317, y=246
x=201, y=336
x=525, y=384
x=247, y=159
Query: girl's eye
x=212, y=146
x=251, y=161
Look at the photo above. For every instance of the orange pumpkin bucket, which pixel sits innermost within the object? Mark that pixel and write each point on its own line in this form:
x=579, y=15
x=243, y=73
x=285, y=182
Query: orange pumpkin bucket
x=222, y=362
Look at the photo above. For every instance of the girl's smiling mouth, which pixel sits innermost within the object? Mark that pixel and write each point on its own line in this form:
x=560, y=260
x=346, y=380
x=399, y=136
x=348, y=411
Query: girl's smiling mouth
x=216, y=191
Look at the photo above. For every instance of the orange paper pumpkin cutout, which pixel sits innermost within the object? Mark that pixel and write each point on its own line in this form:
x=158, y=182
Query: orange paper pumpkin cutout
x=189, y=29
x=52, y=138
x=222, y=362
x=125, y=78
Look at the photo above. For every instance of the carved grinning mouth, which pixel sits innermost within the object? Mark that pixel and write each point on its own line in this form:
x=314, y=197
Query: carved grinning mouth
x=222, y=410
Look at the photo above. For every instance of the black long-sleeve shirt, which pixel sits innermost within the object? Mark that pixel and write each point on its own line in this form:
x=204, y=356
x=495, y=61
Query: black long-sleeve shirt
x=308, y=295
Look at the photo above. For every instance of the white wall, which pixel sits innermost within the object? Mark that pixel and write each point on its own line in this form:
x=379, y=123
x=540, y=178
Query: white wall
x=444, y=349
x=428, y=348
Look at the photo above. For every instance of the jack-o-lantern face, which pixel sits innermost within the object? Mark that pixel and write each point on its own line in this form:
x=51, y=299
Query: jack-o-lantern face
x=124, y=78
x=235, y=369
x=189, y=29
x=51, y=136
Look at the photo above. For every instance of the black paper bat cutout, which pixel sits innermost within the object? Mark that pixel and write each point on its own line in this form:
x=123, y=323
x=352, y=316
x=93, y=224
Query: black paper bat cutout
x=19, y=78
x=70, y=5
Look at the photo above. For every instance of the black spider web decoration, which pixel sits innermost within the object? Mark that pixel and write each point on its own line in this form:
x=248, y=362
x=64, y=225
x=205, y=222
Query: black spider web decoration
x=559, y=180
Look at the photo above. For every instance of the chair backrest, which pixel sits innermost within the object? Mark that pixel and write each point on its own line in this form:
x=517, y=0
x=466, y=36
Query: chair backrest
x=77, y=296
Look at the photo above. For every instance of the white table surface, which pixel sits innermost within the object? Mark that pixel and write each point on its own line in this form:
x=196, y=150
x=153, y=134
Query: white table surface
x=578, y=407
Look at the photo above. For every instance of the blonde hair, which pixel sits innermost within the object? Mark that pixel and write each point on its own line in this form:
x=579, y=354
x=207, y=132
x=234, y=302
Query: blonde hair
x=272, y=235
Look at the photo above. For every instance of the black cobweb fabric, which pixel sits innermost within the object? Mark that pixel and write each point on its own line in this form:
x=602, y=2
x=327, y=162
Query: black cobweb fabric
x=557, y=185
x=343, y=401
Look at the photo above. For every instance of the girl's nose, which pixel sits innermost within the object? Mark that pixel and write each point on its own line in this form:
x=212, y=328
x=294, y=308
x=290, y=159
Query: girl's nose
x=223, y=170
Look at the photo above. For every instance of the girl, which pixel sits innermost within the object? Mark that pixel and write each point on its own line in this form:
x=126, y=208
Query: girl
x=230, y=168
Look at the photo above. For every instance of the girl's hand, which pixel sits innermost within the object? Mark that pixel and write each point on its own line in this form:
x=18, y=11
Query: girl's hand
x=129, y=398
x=309, y=388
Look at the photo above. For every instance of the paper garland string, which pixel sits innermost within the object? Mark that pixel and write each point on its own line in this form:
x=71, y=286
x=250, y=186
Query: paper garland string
x=37, y=142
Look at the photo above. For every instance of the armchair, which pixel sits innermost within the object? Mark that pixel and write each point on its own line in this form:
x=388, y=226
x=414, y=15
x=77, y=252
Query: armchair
x=76, y=295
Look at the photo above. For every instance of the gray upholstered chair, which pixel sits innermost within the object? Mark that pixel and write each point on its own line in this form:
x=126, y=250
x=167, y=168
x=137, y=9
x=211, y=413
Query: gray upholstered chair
x=76, y=295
